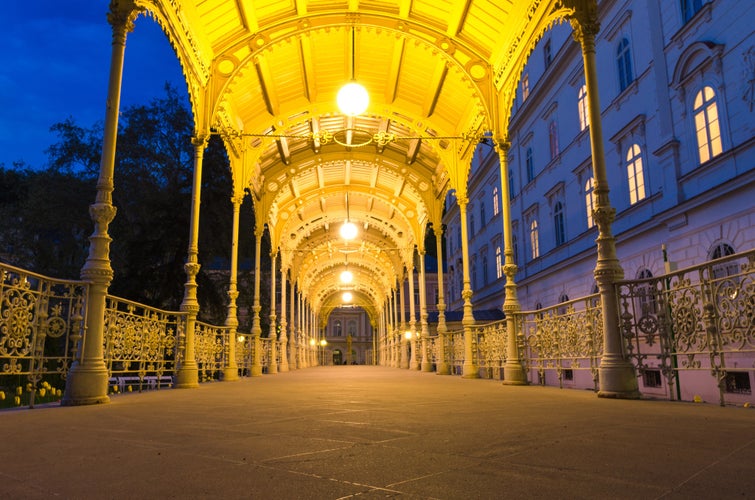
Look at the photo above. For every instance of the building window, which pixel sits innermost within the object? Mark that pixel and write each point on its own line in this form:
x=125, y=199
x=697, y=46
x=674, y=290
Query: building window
x=511, y=184
x=534, y=239
x=738, y=383
x=707, y=126
x=525, y=86
x=584, y=118
x=338, y=331
x=646, y=300
x=553, y=138
x=651, y=378
x=514, y=246
x=496, y=206
x=530, y=164
x=471, y=224
x=590, y=201
x=562, y=300
x=482, y=214
x=547, y=53
x=568, y=374
x=473, y=277
x=624, y=64
x=726, y=269
x=484, y=270
x=558, y=223
x=690, y=8
x=498, y=262
x=635, y=175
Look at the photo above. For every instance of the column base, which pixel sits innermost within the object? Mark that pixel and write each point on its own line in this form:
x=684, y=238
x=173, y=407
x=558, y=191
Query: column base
x=231, y=374
x=470, y=371
x=514, y=375
x=443, y=369
x=272, y=369
x=427, y=366
x=284, y=367
x=86, y=385
x=187, y=377
x=256, y=371
x=617, y=380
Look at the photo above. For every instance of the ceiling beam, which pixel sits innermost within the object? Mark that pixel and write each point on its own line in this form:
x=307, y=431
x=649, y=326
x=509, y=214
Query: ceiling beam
x=439, y=78
x=394, y=73
x=264, y=76
x=458, y=17
x=283, y=150
x=307, y=68
x=413, y=150
x=314, y=125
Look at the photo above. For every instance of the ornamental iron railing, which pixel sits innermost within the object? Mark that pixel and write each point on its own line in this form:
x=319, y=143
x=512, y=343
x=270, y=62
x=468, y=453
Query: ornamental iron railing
x=41, y=321
x=691, y=332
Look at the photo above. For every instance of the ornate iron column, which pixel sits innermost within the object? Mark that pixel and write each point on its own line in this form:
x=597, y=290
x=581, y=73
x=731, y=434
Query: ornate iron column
x=412, y=344
x=617, y=377
x=256, y=328
x=284, y=323
x=188, y=375
x=427, y=366
x=273, y=335
x=231, y=371
x=469, y=370
x=442, y=368
x=403, y=341
x=513, y=373
x=88, y=379
x=294, y=342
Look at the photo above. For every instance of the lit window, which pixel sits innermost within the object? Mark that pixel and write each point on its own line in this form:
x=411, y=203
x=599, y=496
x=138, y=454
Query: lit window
x=553, y=138
x=584, y=118
x=690, y=8
x=496, y=206
x=525, y=87
x=635, y=175
x=558, y=223
x=530, y=165
x=590, y=201
x=707, y=125
x=624, y=64
x=498, y=262
x=534, y=240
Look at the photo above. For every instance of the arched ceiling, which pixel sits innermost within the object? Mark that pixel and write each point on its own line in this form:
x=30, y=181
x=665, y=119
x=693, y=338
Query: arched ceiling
x=264, y=74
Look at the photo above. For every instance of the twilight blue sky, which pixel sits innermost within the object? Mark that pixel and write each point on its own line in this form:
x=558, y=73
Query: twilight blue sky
x=54, y=64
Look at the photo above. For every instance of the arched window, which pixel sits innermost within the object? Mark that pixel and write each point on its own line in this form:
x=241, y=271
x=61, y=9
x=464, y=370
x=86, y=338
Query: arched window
x=498, y=262
x=563, y=298
x=707, y=125
x=590, y=201
x=558, y=223
x=530, y=165
x=624, y=64
x=635, y=174
x=690, y=8
x=584, y=118
x=534, y=239
x=723, y=270
x=496, y=205
x=646, y=300
x=553, y=138
x=337, y=330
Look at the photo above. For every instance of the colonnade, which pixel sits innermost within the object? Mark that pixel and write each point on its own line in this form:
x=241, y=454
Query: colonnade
x=88, y=377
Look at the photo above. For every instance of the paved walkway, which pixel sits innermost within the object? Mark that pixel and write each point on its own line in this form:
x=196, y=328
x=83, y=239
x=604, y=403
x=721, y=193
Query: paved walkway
x=368, y=432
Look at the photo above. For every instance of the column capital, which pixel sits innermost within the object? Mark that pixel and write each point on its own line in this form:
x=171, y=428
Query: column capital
x=502, y=145
x=237, y=200
x=199, y=141
x=121, y=16
x=584, y=21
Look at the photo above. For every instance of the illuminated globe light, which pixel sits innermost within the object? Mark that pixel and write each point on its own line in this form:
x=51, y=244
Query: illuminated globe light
x=408, y=335
x=348, y=230
x=347, y=296
x=353, y=99
x=347, y=276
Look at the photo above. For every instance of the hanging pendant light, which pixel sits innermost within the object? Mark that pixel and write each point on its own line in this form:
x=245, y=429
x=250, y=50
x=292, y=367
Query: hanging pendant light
x=353, y=98
x=347, y=297
x=348, y=230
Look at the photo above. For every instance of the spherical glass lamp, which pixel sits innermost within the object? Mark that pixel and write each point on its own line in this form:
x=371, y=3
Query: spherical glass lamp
x=353, y=99
x=347, y=276
x=347, y=296
x=348, y=230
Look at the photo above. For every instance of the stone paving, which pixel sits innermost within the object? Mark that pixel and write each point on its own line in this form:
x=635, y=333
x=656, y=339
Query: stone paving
x=370, y=432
